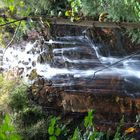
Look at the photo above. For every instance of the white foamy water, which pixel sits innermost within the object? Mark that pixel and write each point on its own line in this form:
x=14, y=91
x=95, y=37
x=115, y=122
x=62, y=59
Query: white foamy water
x=79, y=58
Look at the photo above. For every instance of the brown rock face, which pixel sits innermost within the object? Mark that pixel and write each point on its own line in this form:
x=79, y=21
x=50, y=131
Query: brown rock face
x=77, y=103
x=104, y=98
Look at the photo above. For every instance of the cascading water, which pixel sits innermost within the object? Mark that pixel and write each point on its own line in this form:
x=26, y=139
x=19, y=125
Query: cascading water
x=68, y=60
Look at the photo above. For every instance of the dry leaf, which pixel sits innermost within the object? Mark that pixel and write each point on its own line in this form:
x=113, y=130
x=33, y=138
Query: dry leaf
x=130, y=130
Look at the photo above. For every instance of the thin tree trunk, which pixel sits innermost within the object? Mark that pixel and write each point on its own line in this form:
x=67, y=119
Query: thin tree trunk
x=84, y=23
x=90, y=23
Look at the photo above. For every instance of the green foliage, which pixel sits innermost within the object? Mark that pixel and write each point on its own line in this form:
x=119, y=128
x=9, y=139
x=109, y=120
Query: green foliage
x=118, y=134
x=35, y=7
x=76, y=135
x=88, y=121
x=75, y=10
x=29, y=119
x=6, y=87
x=18, y=99
x=90, y=7
x=54, y=130
x=7, y=130
x=15, y=9
x=30, y=115
x=89, y=132
x=119, y=11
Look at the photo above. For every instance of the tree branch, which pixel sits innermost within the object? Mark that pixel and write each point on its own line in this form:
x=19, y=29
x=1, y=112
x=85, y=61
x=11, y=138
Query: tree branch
x=83, y=23
x=115, y=63
x=12, y=38
x=17, y=20
x=90, y=23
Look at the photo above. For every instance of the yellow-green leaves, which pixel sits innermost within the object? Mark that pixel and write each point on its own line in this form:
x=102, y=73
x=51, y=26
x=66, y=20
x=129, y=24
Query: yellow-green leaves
x=7, y=130
x=11, y=8
x=88, y=121
x=54, y=131
x=75, y=10
x=68, y=13
x=21, y=4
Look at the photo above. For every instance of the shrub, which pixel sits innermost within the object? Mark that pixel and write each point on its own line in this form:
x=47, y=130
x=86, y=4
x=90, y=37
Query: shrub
x=19, y=99
x=6, y=87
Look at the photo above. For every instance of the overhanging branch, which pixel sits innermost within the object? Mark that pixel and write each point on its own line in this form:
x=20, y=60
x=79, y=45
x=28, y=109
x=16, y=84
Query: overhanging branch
x=83, y=23
x=90, y=23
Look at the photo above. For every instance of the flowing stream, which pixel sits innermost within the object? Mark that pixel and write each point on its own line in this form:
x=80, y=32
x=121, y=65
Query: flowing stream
x=68, y=60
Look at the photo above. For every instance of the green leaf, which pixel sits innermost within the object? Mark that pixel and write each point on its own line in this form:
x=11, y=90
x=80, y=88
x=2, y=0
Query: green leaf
x=11, y=1
x=7, y=130
x=68, y=13
x=88, y=121
x=11, y=8
x=57, y=131
x=21, y=4
x=7, y=119
x=52, y=138
x=93, y=136
x=76, y=134
x=51, y=130
x=14, y=137
x=2, y=136
x=53, y=121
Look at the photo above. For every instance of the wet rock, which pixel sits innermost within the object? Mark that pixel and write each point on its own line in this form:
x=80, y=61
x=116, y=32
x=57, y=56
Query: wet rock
x=44, y=93
x=33, y=63
x=45, y=57
x=7, y=59
x=1, y=58
x=33, y=75
x=40, y=81
x=22, y=48
x=25, y=63
x=1, y=69
x=20, y=71
x=1, y=51
x=33, y=35
x=48, y=83
x=77, y=103
x=19, y=62
x=28, y=68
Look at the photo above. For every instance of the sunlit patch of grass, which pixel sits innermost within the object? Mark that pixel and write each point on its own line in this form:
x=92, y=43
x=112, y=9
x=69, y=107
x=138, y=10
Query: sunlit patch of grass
x=7, y=85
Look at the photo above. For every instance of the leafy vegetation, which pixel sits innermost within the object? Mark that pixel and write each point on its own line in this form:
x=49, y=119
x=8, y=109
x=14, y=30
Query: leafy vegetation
x=10, y=10
x=7, y=130
x=119, y=11
x=18, y=98
x=7, y=85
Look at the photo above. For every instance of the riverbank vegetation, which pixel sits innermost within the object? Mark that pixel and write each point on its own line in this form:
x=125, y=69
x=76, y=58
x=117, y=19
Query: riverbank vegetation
x=32, y=12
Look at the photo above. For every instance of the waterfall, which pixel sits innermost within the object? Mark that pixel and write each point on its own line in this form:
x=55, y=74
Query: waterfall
x=66, y=59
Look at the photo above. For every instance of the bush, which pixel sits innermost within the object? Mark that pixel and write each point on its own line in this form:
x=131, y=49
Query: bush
x=118, y=10
x=6, y=87
x=28, y=118
x=19, y=99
